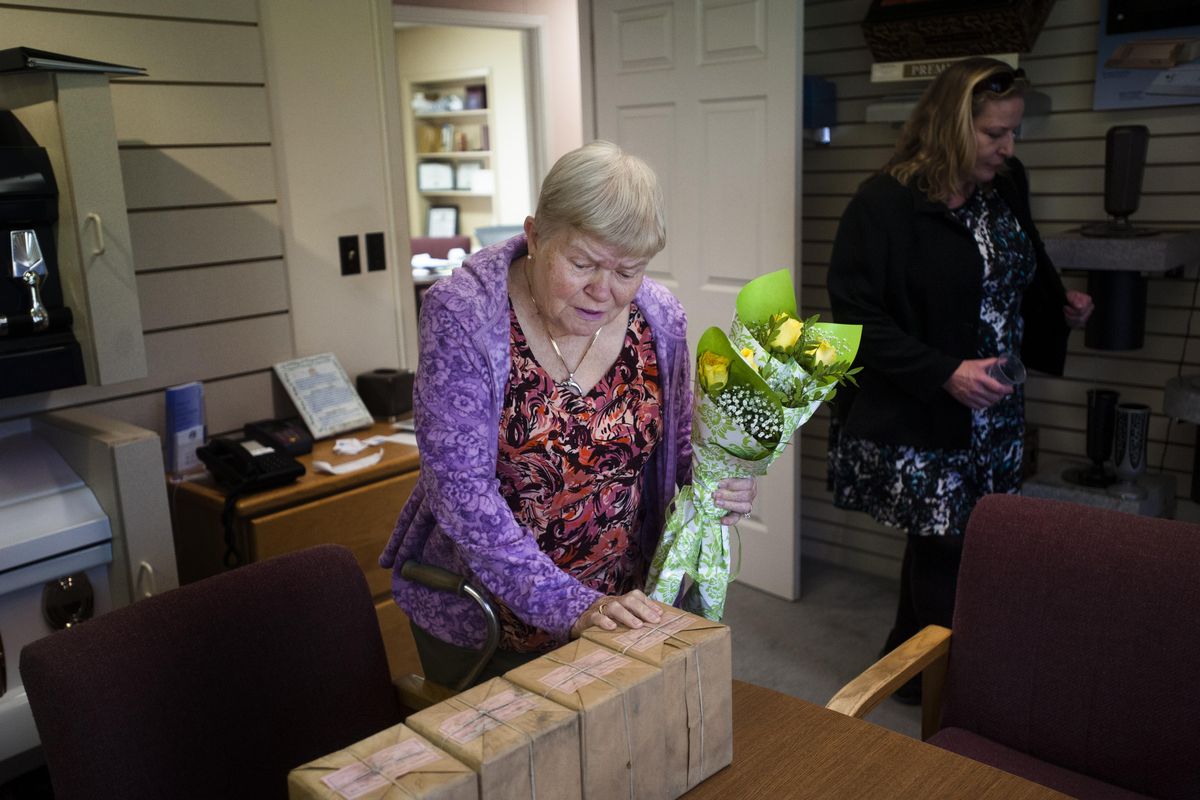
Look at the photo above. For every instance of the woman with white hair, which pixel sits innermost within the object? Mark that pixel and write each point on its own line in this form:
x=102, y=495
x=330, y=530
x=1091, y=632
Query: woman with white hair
x=553, y=412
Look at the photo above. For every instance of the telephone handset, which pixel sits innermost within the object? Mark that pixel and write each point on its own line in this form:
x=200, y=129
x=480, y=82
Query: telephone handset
x=245, y=466
x=242, y=467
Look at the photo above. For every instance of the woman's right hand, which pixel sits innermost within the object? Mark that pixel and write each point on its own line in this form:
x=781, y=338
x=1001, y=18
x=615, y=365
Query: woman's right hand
x=631, y=610
x=973, y=387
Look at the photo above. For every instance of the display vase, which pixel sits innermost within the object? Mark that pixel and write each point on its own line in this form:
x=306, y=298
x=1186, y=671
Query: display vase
x=1129, y=449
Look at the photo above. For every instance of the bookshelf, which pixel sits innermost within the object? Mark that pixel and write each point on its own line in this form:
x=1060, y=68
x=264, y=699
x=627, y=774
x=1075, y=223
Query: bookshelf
x=450, y=125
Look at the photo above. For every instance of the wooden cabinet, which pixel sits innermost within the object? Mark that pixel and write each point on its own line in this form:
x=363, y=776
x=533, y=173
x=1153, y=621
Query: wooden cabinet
x=357, y=510
x=450, y=126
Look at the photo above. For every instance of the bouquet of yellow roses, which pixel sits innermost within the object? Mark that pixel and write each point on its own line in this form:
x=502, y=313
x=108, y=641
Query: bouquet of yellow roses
x=757, y=385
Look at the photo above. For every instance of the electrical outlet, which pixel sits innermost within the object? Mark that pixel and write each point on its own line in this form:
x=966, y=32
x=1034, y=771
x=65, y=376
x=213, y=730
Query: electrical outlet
x=348, y=251
x=376, y=260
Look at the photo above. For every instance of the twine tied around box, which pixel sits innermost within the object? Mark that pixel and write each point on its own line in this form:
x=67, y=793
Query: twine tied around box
x=587, y=670
x=382, y=773
x=666, y=629
x=491, y=713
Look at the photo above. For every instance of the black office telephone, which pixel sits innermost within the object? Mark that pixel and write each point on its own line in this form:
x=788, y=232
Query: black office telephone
x=244, y=465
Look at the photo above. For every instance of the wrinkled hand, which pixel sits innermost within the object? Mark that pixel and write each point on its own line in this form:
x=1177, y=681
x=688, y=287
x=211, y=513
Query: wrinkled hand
x=1078, y=308
x=630, y=609
x=973, y=387
x=735, y=495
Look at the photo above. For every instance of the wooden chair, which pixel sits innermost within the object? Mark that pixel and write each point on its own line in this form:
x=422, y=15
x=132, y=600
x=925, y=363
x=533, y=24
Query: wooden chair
x=1074, y=659
x=217, y=688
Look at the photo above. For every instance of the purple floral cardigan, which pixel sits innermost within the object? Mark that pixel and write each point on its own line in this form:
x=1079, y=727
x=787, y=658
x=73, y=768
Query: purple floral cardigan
x=456, y=518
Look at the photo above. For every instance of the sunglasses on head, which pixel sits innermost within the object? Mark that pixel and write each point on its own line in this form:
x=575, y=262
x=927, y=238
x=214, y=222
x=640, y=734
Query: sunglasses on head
x=999, y=83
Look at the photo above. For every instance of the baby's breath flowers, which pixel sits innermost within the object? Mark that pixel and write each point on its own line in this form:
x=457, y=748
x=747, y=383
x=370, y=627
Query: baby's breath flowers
x=753, y=412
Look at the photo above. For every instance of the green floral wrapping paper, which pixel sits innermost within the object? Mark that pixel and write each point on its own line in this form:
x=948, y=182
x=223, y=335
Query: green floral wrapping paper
x=755, y=387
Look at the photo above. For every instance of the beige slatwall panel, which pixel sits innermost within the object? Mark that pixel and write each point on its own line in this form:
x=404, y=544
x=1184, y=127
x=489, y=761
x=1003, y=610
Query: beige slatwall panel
x=1065, y=153
x=194, y=145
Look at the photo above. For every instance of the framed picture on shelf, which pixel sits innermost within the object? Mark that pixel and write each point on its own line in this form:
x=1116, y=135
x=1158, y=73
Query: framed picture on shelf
x=465, y=175
x=442, y=221
x=433, y=176
x=476, y=97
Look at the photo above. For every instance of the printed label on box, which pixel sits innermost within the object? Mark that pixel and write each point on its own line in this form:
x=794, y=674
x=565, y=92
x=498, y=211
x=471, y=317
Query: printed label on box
x=645, y=638
x=588, y=669
x=380, y=769
x=491, y=713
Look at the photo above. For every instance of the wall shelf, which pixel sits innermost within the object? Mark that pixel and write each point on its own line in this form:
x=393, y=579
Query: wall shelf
x=897, y=109
x=453, y=193
x=478, y=114
x=915, y=75
x=461, y=139
x=435, y=155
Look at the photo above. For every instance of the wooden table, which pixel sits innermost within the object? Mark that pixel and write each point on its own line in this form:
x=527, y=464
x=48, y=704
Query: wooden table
x=785, y=747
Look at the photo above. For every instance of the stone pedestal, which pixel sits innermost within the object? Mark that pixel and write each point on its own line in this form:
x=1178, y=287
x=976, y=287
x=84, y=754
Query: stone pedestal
x=1049, y=484
x=1117, y=269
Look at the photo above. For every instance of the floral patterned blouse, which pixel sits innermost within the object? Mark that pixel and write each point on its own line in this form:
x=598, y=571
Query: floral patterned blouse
x=570, y=468
x=932, y=492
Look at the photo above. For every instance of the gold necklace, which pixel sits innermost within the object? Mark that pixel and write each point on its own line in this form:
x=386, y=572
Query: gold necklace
x=570, y=383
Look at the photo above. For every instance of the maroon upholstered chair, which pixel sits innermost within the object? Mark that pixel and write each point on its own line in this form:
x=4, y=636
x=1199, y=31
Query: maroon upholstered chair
x=1075, y=655
x=439, y=246
x=215, y=689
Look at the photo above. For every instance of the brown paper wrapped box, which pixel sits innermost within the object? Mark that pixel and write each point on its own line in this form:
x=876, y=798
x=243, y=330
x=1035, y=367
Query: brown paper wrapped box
x=696, y=657
x=620, y=702
x=522, y=745
x=394, y=764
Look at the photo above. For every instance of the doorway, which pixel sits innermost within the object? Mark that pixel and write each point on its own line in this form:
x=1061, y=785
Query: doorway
x=499, y=51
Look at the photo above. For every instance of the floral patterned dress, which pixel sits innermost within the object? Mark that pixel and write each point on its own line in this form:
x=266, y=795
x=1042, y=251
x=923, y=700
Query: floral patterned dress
x=933, y=491
x=570, y=468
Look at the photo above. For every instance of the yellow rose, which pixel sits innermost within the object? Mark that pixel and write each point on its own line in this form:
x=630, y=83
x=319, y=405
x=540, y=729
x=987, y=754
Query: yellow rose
x=788, y=335
x=714, y=371
x=824, y=353
x=748, y=354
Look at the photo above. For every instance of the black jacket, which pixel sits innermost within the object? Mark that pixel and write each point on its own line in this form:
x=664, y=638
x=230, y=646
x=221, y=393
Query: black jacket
x=912, y=276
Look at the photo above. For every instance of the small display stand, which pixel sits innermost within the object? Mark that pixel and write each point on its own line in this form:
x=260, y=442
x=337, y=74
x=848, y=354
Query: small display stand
x=1049, y=484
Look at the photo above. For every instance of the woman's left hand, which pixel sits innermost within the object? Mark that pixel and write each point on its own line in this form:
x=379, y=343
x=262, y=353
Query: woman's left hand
x=735, y=495
x=1078, y=308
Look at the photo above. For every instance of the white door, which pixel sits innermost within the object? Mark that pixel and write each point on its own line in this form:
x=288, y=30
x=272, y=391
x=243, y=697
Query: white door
x=707, y=92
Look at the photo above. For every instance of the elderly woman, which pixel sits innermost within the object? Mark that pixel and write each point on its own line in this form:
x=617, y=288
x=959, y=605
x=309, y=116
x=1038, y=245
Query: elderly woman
x=553, y=412
x=937, y=257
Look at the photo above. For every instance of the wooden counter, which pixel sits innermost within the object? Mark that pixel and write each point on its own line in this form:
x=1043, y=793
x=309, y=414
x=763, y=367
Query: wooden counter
x=357, y=509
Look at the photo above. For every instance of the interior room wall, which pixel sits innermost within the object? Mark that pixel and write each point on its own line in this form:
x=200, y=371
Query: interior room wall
x=430, y=52
x=1064, y=152
x=195, y=147
x=244, y=154
x=334, y=103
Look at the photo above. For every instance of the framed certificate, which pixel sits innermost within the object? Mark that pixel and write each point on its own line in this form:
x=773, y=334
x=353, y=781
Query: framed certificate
x=442, y=221
x=433, y=176
x=464, y=176
x=323, y=394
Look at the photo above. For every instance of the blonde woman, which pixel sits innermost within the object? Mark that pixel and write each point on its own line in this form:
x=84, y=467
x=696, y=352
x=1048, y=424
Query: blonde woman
x=938, y=258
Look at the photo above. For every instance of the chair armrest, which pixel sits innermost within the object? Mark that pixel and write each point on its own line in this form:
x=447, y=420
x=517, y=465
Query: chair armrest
x=415, y=693
x=926, y=653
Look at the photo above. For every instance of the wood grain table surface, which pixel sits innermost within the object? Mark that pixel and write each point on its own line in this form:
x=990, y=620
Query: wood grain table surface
x=785, y=747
